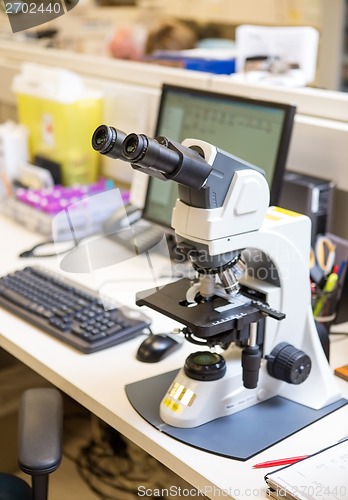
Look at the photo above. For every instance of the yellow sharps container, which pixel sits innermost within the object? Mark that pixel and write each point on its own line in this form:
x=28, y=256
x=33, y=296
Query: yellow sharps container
x=61, y=114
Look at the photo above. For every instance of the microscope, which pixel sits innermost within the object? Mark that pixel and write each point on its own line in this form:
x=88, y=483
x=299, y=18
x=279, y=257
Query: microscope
x=249, y=306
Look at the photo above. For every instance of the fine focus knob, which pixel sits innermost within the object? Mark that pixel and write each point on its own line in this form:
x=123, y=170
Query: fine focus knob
x=286, y=362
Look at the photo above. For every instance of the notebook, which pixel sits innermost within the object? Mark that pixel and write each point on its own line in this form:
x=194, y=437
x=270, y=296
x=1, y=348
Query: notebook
x=322, y=476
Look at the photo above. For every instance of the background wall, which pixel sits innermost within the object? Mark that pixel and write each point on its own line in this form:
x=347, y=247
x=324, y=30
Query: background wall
x=319, y=145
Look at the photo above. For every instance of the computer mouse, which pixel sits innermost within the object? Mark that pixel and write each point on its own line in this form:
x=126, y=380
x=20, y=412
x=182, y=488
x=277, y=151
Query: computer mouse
x=157, y=347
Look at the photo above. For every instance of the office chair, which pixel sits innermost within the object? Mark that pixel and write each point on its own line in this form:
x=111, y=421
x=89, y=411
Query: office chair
x=40, y=444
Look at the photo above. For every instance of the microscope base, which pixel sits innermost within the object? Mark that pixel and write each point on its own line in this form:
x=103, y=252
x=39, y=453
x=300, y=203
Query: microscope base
x=234, y=436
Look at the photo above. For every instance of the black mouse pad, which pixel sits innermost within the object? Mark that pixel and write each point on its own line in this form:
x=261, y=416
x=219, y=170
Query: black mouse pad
x=239, y=436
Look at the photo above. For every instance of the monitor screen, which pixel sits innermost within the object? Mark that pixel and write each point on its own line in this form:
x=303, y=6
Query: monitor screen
x=256, y=131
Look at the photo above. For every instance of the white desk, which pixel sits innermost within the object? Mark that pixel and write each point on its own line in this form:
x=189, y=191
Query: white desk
x=97, y=382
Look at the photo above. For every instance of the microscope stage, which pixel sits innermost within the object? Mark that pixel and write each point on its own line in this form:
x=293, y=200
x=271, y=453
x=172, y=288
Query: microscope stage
x=205, y=319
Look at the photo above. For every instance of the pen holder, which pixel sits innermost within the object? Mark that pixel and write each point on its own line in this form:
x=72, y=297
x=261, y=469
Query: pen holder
x=324, y=305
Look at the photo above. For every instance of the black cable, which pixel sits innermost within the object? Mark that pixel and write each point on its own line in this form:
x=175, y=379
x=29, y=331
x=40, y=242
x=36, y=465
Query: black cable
x=103, y=465
x=32, y=252
x=90, y=466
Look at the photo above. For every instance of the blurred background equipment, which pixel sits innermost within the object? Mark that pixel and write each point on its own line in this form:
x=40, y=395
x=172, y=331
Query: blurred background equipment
x=13, y=148
x=311, y=196
x=60, y=112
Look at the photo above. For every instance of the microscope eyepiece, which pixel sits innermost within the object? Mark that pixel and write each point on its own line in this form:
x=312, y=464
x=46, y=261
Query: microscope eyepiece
x=148, y=153
x=135, y=147
x=102, y=138
x=158, y=157
x=166, y=159
x=108, y=141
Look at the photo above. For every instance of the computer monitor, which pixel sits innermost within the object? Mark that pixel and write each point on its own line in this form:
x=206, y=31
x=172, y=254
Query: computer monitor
x=256, y=131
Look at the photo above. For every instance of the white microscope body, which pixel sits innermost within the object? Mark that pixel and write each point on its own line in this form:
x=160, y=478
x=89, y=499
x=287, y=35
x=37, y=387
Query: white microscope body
x=277, y=242
x=251, y=301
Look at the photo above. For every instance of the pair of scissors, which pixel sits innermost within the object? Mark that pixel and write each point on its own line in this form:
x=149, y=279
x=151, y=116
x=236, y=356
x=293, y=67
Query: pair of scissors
x=323, y=255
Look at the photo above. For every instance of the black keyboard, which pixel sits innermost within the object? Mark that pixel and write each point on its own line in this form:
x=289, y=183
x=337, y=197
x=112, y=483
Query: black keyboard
x=70, y=312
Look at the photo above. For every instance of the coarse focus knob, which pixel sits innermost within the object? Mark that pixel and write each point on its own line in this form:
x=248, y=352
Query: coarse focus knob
x=286, y=362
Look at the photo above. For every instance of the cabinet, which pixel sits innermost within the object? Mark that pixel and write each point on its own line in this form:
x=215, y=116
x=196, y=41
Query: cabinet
x=270, y=12
x=328, y=16
x=332, y=71
x=344, y=73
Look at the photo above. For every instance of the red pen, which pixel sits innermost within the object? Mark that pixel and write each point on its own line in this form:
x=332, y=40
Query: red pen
x=279, y=462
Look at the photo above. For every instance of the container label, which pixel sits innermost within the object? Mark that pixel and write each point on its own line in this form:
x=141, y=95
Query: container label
x=48, y=130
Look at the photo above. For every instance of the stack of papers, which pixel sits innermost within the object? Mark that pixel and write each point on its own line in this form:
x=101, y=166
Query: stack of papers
x=322, y=476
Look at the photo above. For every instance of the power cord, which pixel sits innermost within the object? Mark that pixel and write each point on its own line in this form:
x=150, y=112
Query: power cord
x=36, y=250
x=114, y=468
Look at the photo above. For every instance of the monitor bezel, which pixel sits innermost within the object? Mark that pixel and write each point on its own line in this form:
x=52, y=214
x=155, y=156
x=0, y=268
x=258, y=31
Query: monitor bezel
x=284, y=142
